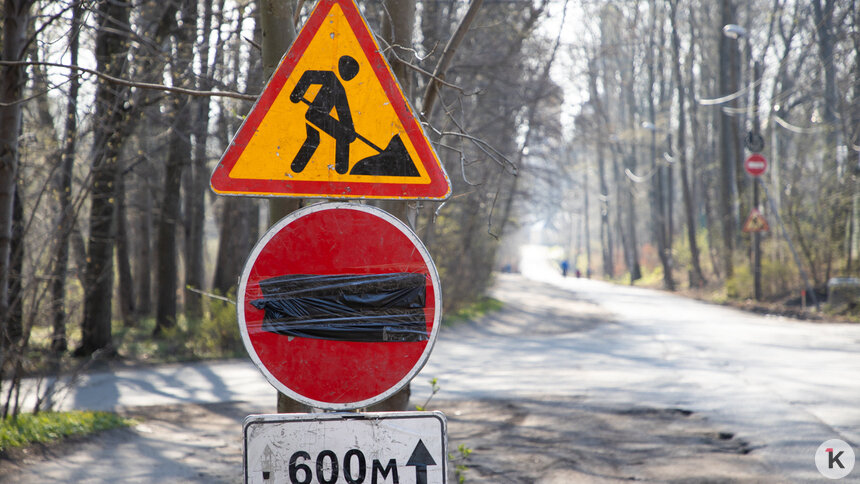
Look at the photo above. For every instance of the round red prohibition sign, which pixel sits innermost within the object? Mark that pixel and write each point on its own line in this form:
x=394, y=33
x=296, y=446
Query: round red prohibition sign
x=755, y=164
x=339, y=305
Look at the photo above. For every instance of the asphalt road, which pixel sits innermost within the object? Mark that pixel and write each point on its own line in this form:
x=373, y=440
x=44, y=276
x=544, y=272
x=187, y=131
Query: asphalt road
x=776, y=387
x=784, y=386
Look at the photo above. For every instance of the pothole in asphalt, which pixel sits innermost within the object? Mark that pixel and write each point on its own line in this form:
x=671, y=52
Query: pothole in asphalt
x=546, y=440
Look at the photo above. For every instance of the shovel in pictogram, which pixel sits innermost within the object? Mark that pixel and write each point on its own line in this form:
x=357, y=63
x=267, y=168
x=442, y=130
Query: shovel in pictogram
x=393, y=160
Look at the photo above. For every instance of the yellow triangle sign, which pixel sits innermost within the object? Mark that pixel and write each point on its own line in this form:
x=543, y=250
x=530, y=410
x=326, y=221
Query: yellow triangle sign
x=755, y=222
x=333, y=123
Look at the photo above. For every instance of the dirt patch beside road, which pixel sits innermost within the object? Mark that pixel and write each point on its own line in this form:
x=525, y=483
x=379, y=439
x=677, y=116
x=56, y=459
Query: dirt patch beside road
x=539, y=440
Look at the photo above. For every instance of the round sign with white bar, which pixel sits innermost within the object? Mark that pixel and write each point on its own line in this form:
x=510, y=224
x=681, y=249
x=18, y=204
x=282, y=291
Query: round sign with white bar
x=755, y=165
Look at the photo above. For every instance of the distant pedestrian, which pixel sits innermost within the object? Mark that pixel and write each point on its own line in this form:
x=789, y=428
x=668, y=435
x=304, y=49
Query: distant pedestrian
x=565, y=265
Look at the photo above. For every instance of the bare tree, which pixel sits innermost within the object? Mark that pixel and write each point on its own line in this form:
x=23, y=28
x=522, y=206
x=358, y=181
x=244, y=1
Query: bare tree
x=12, y=79
x=178, y=150
x=197, y=174
x=112, y=49
x=697, y=278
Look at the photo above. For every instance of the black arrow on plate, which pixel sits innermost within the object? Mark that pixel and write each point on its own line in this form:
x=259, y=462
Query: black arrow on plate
x=420, y=459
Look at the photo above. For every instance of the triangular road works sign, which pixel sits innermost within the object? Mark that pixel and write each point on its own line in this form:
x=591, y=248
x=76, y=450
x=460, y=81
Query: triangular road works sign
x=332, y=123
x=755, y=222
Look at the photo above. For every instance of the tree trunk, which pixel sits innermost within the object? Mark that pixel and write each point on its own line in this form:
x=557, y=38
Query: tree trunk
x=839, y=209
x=630, y=226
x=123, y=257
x=166, y=271
x=630, y=159
x=111, y=56
x=236, y=239
x=618, y=179
x=240, y=216
x=608, y=260
x=699, y=181
x=178, y=150
x=15, y=320
x=605, y=227
x=276, y=21
x=59, y=341
x=855, y=111
x=13, y=342
x=12, y=79
x=398, y=31
x=195, y=191
x=824, y=33
x=145, y=196
x=585, y=222
x=155, y=22
x=144, y=261
x=657, y=191
x=697, y=279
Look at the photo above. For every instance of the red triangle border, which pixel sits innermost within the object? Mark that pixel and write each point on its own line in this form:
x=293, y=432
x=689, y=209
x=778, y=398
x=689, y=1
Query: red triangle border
x=439, y=187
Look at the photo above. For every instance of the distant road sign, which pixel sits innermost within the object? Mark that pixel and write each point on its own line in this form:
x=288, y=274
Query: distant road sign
x=339, y=305
x=332, y=123
x=354, y=448
x=755, y=222
x=755, y=165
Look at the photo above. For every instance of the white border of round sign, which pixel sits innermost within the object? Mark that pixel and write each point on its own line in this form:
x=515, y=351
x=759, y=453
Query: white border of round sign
x=261, y=244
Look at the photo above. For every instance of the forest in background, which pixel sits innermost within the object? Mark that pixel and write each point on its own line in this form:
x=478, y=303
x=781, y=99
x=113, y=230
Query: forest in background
x=671, y=90
x=617, y=125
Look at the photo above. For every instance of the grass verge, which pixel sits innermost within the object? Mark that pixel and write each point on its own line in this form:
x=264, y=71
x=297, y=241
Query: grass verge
x=475, y=310
x=44, y=427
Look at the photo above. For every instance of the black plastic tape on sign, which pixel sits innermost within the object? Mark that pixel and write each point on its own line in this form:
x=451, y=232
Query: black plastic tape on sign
x=346, y=307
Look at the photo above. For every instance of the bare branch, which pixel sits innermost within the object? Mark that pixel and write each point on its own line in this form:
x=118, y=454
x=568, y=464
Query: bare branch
x=139, y=85
x=389, y=49
x=438, y=74
x=482, y=145
x=256, y=45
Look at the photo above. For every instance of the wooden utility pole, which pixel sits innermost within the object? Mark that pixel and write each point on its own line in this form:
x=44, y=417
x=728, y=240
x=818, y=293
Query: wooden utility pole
x=756, y=252
x=728, y=135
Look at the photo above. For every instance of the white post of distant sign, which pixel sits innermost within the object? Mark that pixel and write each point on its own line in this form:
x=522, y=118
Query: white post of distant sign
x=346, y=448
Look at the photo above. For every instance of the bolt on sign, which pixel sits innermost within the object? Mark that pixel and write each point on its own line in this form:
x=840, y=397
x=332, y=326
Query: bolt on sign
x=332, y=123
x=353, y=448
x=339, y=305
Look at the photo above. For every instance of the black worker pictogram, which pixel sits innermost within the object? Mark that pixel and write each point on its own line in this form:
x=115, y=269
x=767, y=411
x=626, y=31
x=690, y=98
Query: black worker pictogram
x=393, y=160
